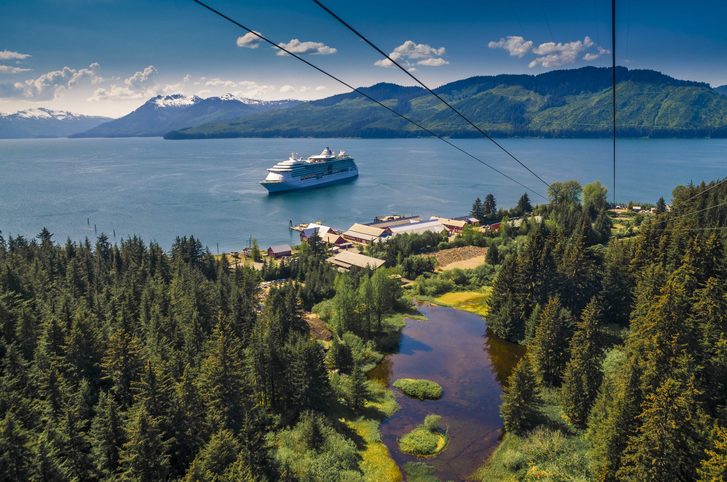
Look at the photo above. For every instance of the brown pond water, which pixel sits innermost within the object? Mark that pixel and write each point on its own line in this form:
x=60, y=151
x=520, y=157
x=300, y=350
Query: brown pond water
x=451, y=348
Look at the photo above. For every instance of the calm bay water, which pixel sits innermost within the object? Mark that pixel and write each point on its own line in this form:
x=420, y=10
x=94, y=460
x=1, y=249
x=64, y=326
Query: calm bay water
x=160, y=189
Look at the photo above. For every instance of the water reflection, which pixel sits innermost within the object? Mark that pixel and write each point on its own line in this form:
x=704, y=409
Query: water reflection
x=449, y=348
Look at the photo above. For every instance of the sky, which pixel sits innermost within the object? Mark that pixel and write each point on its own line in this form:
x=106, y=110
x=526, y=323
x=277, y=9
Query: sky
x=106, y=57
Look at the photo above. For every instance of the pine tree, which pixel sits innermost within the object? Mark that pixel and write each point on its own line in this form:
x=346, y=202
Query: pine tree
x=215, y=458
x=189, y=426
x=144, y=456
x=549, y=346
x=489, y=207
x=15, y=458
x=493, y=255
x=82, y=354
x=578, y=269
x=612, y=420
x=476, y=211
x=582, y=376
x=661, y=206
x=74, y=443
x=121, y=364
x=222, y=381
x=107, y=436
x=359, y=391
x=669, y=443
x=507, y=308
x=617, y=283
x=523, y=205
x=339, y=356
x=713, y=467
x=46, y=460
x=521, y=402
x=307, y=380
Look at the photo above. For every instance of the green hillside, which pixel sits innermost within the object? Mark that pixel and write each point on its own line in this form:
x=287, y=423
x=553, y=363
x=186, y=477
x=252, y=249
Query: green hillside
x=565, y=103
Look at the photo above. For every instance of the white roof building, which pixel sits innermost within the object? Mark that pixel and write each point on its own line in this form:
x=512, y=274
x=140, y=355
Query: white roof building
x=431, y=226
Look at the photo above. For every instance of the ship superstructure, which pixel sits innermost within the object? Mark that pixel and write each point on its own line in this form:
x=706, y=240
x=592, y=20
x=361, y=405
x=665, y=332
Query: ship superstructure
x=319, y=170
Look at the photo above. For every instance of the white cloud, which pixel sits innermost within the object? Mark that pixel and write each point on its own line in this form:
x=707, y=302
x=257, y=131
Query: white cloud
x=138, y=85
x=49, y=85
x=320, y=88
x=249, y=41
x=287, y=88
x=10, y=55
x=515, y=45
x=142, y=79
x=314, y=48
x=550, y=54
x=433, y=62
x=411, y=53
x=7, y=69
x=590, y=56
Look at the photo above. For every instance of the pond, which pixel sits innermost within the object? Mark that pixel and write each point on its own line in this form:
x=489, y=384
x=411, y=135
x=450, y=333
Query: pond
x=451, y=348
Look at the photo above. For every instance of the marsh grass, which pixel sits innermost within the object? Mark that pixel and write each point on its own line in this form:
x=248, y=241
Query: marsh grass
x=419, y=388
x=472, y=301
x=553, y=451
x=426, y=440
x=376, y=462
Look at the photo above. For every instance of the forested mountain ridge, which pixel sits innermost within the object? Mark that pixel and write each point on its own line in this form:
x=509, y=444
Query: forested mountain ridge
x=563, y=103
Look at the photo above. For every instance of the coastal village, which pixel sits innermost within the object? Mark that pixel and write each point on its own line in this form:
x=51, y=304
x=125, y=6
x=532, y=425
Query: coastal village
x=348, y=246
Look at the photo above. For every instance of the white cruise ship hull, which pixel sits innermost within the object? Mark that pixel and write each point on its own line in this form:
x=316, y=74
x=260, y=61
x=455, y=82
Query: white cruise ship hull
x=296, y=184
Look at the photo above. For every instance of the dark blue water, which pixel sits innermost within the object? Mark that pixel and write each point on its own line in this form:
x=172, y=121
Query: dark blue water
x=160, y=189
x=452, y=348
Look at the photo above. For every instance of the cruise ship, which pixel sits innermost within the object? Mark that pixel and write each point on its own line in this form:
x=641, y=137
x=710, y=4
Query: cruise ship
x=297, y=173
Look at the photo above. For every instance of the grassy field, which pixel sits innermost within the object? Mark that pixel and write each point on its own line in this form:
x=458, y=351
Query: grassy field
x=553, y=451
x=419, y=388
x=472, y=301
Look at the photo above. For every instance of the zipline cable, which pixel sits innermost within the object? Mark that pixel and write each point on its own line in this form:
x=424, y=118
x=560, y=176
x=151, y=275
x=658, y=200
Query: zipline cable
x=613, y=91
x=364, y=94
x=407, y=72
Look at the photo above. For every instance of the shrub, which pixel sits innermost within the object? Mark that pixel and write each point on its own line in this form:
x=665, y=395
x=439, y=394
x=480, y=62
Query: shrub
x=419, y=388
x=425, y=440
x=414, y=266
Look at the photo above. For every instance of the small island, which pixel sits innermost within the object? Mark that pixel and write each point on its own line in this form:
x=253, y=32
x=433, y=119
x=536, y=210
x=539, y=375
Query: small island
x=426, y=440
x=419, y=388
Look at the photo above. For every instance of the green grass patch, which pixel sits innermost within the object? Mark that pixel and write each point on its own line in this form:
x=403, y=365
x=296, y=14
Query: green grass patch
x=376, y=462
x=553, y=451
x=426, y=440
x=419, y=388
x=472, y=301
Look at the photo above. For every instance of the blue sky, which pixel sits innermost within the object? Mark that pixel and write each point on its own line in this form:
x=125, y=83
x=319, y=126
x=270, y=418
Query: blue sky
x=107, y=56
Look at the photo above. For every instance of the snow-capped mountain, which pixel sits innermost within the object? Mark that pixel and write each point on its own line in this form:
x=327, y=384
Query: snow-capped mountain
x=164, y=113
x=174, y=100
x=42, y=122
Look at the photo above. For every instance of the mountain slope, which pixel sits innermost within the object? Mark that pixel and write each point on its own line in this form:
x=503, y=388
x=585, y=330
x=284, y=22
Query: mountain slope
x=722, y=89
x=42, y=122
x=566, y=103
x=161, y=114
